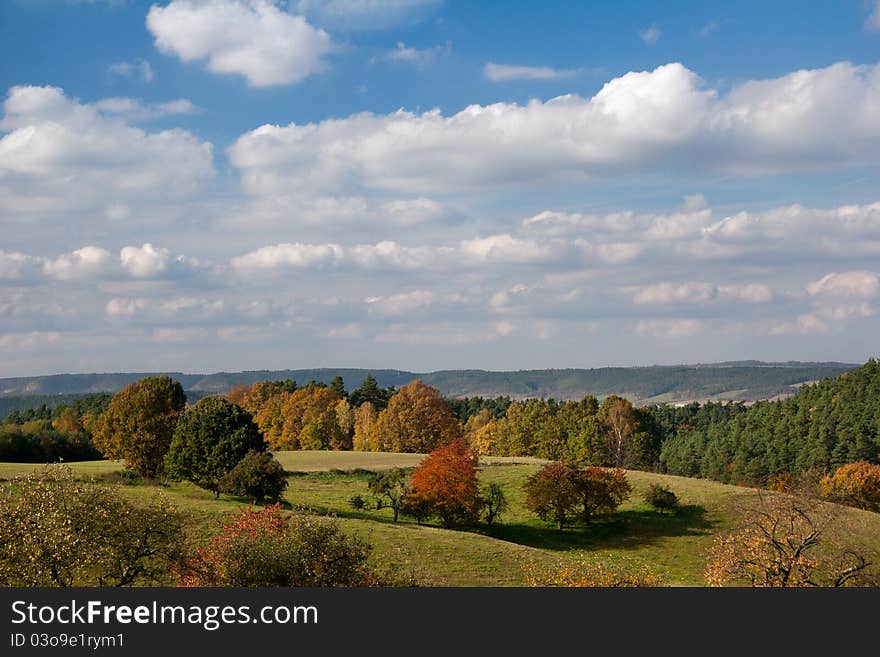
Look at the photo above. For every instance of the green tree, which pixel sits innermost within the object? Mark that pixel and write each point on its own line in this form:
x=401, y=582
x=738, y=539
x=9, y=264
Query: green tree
x=601, y=490
x=139, y=423
x=661, y=497
x=57, y=531
x=258, y=477
x=212, y=436
x=494, y=502
x=390, y=485
x=369, y=391
x=337, y=385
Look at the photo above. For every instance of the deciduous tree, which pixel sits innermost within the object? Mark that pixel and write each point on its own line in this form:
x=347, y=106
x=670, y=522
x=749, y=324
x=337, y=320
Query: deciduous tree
x=211, y=437
x=552, y=493
x=390, y=485
x=139, y=422
x=446, y=483
x=417, y=420
x=856, y=484
x=600, y=490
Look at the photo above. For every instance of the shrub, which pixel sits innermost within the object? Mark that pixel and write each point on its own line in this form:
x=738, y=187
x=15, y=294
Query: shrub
x=270, y=548
x=56, y=531
x=856, y=484
x=357, y=502
x=661, y=497
x=258, y=477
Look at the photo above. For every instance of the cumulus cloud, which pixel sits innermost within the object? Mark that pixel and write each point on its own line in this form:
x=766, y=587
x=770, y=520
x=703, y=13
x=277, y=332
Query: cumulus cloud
x=15, y=267
x=256, y=39
x=506, y=72
x=669, y=328
x=60, y=155
x=662, y=120
x=87, y=262
x=700, y=293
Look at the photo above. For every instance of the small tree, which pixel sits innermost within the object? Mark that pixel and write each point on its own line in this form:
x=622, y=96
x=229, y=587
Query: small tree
x=785, y=541
x=601, y=490
x=390, y=485
x=139, y=423
x=446, y=483
x=552, y=493
x=56, y=531
x=258, y=477
x=269, y=548
x=856, y=484
x=494, y=502
x=357, y=502
x=661, y=497
x=211, y=438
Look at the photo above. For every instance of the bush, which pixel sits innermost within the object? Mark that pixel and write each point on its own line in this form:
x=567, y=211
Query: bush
x=856, y=484
x=258, y=477
x=56, y=531
x=661, y=497
x=357, y=502
x=270, y=548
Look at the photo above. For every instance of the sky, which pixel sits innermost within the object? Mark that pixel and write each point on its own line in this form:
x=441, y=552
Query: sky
x=223, y=185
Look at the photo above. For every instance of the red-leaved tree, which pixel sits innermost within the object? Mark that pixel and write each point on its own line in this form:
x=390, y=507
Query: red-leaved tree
x=445, y=484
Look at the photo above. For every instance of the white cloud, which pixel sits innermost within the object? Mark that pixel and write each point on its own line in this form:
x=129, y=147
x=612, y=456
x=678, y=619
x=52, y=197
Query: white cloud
x=16, y=266
x=33, y=339
x=133, y=110
x=700, y=293
x=662, y=120
x=367, y=14
x=87, y=262
x=650, y=35
x=137, y=69
x=708, y=28
x=872, y=22
x=281, y=256
x=864, y=284
x=256, y=39
x=505, y=72
x=415, y=56
x=404, y=303
x=59, y=155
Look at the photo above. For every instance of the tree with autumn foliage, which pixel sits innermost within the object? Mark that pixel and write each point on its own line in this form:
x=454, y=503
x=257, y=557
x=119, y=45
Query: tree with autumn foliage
x=552, y=492
x=600, y=490
x=139, y=423
x=445, y=482
x=856, y=484
x=269, y=547
x=788, y=541
x=364, y=421
x=417, y=419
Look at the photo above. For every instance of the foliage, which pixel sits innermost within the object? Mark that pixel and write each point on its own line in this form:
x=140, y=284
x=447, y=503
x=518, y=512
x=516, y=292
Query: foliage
x=390, y=485
x=466, y=408
x=600, y=490
x=270, y=548
x=494, y=502
x=552, y=492
x=56, y=531
x=445, y=483
x=211, y=437
x=582, y=572
x=417, y=419
x=139, y=422
x=823, y=426
x=661, y=498
x=357, y=502
x=258, y=477
x=856, y=484
x=782, y=541
x=364, y=421
x=33, y=442
x=369, y=391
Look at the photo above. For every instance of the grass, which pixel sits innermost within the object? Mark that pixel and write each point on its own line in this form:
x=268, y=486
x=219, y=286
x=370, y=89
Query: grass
x=673, y=546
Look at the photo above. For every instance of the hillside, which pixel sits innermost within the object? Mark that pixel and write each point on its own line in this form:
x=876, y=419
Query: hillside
x=823, y=426
x=747, y=381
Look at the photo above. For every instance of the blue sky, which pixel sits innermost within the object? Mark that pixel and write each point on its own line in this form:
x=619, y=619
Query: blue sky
x=239, y=184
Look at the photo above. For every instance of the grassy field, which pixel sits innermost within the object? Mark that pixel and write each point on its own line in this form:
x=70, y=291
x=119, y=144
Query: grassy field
x=671, y=546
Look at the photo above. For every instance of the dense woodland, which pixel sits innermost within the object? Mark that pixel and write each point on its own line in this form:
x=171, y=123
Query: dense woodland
x=824, y=426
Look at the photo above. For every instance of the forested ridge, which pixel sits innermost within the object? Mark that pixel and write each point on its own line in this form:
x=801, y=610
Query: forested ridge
x=822, y=427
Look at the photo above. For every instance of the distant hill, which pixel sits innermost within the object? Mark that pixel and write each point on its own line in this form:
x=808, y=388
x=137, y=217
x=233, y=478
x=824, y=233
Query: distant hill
x=744, y=380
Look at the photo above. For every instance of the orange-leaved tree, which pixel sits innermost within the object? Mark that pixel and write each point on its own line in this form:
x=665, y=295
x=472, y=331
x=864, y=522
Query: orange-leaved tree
x=445, y=483
x=856, y=484
x=417, y=419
